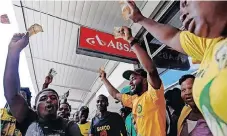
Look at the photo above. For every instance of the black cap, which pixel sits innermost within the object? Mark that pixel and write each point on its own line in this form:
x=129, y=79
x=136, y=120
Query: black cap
x=84, y=108
x=140, y=71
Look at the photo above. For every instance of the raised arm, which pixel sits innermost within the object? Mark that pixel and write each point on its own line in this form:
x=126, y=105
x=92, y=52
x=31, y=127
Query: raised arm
x=11, y=80
x=148, y=65
x=48, y=80
x=164, y=33
x=144, y=59
x=112, y=90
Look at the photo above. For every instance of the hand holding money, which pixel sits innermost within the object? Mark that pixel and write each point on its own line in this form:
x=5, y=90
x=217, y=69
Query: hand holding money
x=49, y=77
x=34, y=29
x=52, y=72
x=125, y=9
x=65, y=96
x=123, y=32
x=130, y=10
x=102, y=73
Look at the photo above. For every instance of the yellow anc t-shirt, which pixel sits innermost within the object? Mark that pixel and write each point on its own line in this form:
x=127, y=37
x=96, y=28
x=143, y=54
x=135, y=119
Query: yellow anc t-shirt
x=8, y=124
x=210, y=86
x=85, y=128
x=149, y=111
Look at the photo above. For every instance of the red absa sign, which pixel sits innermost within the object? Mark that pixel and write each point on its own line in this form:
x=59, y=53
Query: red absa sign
x=101, y=42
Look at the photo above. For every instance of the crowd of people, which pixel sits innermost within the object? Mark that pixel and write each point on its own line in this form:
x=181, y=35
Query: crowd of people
x=198, y=108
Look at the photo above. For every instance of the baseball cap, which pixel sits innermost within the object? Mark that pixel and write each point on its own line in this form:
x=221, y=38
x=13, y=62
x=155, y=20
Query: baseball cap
x=140, y=71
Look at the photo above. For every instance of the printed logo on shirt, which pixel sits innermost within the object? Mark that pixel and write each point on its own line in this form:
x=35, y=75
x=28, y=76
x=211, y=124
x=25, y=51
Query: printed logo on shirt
x=200, y=73
x=103, y=133
x=139, y=108
x=221, y=57
x=106, y=127
x=216, y=123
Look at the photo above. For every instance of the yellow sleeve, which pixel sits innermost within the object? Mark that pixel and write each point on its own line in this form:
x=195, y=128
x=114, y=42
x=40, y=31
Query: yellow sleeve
x=193, y=45
x=156, y=93
x=127, y=100
x=184, y=113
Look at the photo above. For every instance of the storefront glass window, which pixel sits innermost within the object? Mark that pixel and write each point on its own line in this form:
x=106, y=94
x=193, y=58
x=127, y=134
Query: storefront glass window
x=172, y=76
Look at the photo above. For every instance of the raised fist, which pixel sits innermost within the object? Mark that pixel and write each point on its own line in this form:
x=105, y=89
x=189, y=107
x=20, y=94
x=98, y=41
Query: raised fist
x=19, y=41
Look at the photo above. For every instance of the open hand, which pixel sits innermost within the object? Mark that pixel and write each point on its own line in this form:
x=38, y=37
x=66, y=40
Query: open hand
x=19, y=41
x=135, y=15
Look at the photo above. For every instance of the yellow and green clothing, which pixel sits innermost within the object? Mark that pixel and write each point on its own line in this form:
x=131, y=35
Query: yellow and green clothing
x=210, y=86
x=149, y=111
x=8, y=124
x=85, y=128
x=184, y=114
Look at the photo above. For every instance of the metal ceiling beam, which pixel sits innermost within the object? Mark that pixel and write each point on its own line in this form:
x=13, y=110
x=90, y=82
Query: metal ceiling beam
x=22, y=6
x=71, y=87
x=75, y=100
x=78, y=24
x=29, y=45
x=74, y=109
x=94, y=93
x=78, y=67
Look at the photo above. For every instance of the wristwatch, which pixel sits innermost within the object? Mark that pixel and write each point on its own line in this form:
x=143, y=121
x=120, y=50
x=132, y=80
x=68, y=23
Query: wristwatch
x=133, y=42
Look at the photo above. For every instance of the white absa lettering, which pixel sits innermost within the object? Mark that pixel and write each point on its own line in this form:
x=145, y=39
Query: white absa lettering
x=126, y=48
x=111, y=44
x=119, y=46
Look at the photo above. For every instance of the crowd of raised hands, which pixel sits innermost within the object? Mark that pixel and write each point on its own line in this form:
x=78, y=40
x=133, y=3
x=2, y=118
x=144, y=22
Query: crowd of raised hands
x=198, y=108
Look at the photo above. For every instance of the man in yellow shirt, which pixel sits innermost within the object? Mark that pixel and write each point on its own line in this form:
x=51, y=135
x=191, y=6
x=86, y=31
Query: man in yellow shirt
x=206, y=42
x=147, y=103
x=83, y=124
